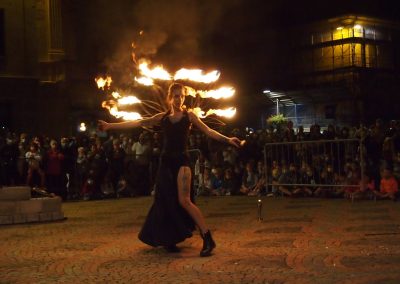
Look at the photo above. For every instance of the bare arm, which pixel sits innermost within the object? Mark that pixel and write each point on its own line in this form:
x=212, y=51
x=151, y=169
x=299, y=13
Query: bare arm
x=211, y=132
x=147, y=122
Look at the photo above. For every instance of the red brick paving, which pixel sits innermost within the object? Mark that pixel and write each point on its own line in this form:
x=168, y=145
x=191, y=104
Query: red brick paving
x=299, y=241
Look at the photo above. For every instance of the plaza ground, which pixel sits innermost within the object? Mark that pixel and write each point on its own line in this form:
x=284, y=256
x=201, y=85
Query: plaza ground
x=298, y=241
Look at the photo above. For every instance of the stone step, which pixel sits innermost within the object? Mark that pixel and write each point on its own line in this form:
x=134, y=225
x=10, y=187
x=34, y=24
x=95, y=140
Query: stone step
x=31, y=218
x=33, y=210
x=15, y=193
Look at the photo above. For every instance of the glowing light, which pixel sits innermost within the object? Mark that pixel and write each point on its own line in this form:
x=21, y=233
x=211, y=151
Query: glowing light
x=228, y=113
x=156, y=73
x=266, y=91
x=196, y=75
x=221, y=93
x=102, y=82
x=129, y=100
x=358, y=27
x=115, y=95
x=82, y=127
x=339, y=28
x=145, y=81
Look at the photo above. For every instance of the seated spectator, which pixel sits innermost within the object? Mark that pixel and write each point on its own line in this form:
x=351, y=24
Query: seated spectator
x=275, y=174
x=229, y=184
x=249, y=180
x=217, y=179
x=388, y=186
x=307, y=178
x=327, y=177
x=205, y=183
x=288, y=177
x=260, y=186
x=366, y=189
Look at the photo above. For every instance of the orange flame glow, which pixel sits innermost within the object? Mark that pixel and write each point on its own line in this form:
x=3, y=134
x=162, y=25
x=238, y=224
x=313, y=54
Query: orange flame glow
x=102, y=82
x=145, y=81
x=129, y=100
x=221, y=93
x=156, y=73
x=228, y=113
x=196, y=75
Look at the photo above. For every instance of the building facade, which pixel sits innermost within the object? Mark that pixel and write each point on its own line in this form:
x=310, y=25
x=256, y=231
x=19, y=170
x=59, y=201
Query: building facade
x=344, y=70
x=32, y=66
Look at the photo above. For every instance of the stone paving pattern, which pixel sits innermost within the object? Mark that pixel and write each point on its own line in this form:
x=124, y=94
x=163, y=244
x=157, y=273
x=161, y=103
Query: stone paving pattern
x=298, y=241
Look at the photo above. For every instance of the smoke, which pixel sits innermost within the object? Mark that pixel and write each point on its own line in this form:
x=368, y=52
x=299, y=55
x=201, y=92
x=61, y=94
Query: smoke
x=173, y=29
x=167, y=32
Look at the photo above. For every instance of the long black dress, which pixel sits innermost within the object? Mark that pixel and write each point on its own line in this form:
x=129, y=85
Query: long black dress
x=167, y=223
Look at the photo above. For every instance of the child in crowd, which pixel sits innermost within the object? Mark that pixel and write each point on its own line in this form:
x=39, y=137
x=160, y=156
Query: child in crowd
x=34, y=158
x=388, y=186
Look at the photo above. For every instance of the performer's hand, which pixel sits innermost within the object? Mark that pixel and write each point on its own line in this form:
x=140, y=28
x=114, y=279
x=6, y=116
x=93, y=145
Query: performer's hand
x=235, y=141
x=102, y=125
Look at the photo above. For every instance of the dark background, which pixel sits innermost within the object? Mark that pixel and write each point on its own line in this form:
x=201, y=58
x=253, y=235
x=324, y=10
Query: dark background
x=245, y=40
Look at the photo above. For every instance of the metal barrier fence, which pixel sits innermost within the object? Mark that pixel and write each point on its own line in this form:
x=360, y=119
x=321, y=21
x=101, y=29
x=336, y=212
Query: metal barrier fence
x=327, y=160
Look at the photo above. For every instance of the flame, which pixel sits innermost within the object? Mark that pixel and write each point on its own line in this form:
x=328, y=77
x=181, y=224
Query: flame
x=145, y=81
x=129, y=100
x=221, y=93
x=102, y=82
x=228, y=113
x=113, y=109
x=197, y=75
x=157, y=73
x=116, y=95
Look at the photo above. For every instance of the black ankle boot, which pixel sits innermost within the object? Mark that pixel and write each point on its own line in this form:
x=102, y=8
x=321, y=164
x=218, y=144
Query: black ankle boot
x=208, y=244
x=172, y=248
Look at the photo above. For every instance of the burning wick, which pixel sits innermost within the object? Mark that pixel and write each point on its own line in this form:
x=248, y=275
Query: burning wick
x=259, y=205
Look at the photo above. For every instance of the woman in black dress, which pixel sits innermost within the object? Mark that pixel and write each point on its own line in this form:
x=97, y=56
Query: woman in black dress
x=173, y=215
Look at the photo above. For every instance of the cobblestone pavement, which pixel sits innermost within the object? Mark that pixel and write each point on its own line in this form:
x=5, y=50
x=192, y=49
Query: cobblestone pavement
x=298, y=241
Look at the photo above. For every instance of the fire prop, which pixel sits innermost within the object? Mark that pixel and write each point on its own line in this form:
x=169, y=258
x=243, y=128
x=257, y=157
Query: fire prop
x=153, y=76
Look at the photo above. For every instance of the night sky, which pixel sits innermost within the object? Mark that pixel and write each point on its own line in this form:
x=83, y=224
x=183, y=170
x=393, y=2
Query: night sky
x=241, y=38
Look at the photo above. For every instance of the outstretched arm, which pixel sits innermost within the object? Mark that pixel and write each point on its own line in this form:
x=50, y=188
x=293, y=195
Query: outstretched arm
x=212, y=133
x=147, y=122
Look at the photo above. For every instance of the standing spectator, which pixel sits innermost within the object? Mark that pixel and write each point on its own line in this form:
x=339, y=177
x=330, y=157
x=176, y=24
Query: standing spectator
x=22, y=165
x=388, y=153
x=68, y=163
x=8, y=158
x=81, y=169
x=230, y=156
x=116, y=160
x=34, y=159
x=53, y=162
x=143, y=153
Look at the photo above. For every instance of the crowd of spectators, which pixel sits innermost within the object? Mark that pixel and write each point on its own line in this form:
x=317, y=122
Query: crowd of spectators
x=90, y=167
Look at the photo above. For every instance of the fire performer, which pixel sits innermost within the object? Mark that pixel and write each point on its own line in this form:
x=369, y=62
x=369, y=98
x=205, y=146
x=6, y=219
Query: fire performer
x=173, y=215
